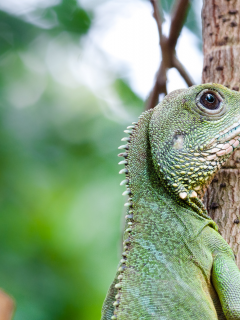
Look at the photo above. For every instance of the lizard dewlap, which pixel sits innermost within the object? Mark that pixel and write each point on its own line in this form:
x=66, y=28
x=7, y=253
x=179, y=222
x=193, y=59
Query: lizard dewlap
x=175, y=264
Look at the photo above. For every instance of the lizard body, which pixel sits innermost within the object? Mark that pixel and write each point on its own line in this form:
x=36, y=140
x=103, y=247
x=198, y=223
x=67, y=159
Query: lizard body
x=175, y=264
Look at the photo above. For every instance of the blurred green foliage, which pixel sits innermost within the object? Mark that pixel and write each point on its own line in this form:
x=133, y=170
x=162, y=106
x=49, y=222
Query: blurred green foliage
x=60, y=200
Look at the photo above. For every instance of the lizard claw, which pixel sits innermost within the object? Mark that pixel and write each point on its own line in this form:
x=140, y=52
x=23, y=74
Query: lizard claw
x=193, y=194
x=183, y=195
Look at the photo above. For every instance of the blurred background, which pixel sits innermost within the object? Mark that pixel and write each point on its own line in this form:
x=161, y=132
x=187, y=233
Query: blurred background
x=73, y=75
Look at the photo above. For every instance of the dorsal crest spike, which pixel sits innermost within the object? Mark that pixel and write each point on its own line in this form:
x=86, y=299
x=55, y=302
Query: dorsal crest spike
x=123, y=154
x=125, y=146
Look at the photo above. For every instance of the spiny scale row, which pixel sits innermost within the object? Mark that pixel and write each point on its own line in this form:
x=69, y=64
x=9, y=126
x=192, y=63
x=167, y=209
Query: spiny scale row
x=128, y=204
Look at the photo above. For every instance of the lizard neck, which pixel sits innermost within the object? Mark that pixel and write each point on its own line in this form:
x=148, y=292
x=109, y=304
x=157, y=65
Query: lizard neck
x=145, y=186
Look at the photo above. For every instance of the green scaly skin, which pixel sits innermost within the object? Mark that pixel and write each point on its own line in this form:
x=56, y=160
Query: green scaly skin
x=175, y=264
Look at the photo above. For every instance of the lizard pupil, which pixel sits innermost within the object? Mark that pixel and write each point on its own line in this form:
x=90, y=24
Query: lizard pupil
x=210, y=98
x=210, y=101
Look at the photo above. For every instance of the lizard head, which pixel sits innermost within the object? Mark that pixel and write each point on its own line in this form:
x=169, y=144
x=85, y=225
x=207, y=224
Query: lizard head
x=192, y=133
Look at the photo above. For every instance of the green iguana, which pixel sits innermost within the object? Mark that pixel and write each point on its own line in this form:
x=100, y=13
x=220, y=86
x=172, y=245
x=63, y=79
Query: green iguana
x=175, y=264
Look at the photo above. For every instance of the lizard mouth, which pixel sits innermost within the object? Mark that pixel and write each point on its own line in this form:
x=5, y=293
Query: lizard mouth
x=230, y=133
x=225, y=142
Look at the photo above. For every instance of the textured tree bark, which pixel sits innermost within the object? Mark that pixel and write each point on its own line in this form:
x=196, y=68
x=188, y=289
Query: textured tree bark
x=221, y=47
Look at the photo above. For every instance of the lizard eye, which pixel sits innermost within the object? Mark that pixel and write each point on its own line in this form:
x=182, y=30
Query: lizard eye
x=210, y=101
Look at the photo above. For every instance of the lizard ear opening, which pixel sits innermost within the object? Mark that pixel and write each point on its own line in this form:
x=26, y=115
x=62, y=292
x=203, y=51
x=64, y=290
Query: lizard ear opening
x=210, y=103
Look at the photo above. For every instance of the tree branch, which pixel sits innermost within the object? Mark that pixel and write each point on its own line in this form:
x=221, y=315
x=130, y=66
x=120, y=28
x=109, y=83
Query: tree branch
x=167, y=46
x=157, y=16
x=178, y=17
x=183, y=72
x=159, y=87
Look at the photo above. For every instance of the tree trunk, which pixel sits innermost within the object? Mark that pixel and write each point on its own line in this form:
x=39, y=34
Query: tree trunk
x=221, y=48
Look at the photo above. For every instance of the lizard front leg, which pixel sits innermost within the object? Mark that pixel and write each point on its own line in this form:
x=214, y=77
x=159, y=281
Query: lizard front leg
x=226, y=281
